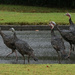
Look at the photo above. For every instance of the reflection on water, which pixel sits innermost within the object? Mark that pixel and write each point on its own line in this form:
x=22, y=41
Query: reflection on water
x=39, y=41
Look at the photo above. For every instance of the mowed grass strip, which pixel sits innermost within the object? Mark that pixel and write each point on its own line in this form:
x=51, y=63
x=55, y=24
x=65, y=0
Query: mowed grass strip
x=37, y=69
x=32, y=9
x=17, y=18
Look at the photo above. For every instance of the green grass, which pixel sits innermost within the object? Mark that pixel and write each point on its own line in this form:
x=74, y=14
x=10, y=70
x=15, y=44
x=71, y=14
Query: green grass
x=17, y=18
x=37, y=69
x=29, y=15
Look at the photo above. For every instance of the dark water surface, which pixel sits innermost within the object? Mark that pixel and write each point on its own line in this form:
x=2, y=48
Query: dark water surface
x=40, y=41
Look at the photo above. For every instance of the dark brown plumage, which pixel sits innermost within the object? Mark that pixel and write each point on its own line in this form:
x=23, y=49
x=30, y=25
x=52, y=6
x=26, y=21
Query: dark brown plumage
x=9, y=42
x=23, y=47
x=68, y=36
x=72, y=25
x=57, y=43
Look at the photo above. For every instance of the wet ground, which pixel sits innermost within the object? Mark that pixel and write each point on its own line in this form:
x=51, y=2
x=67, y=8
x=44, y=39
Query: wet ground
x=40, y=41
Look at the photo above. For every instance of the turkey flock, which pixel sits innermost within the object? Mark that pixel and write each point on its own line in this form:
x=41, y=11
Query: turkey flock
x=67, y=35
x=14, y=43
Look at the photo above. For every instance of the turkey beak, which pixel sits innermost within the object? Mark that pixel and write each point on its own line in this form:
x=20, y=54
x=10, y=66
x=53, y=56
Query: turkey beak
x=51, y=26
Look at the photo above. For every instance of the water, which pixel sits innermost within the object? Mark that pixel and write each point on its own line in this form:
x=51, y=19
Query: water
x=40, y=41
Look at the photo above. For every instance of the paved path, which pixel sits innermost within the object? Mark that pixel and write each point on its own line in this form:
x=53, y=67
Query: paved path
x=39, y=41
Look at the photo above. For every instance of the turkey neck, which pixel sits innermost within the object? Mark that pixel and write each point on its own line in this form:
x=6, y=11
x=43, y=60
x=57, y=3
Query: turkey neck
x=15, y=37
x=70, y=21
x=60, y=31
x=52, y=32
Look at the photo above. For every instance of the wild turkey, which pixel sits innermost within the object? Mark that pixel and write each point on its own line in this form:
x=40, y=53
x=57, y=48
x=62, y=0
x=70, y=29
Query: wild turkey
x=8, y=41
x=57, y=43
x=67, y=35
x=72, y=25
x=23, y=47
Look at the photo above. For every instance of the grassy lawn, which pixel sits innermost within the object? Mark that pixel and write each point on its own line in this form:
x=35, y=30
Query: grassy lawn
x=26, y=15
x=17, y=18
x=37, y=69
